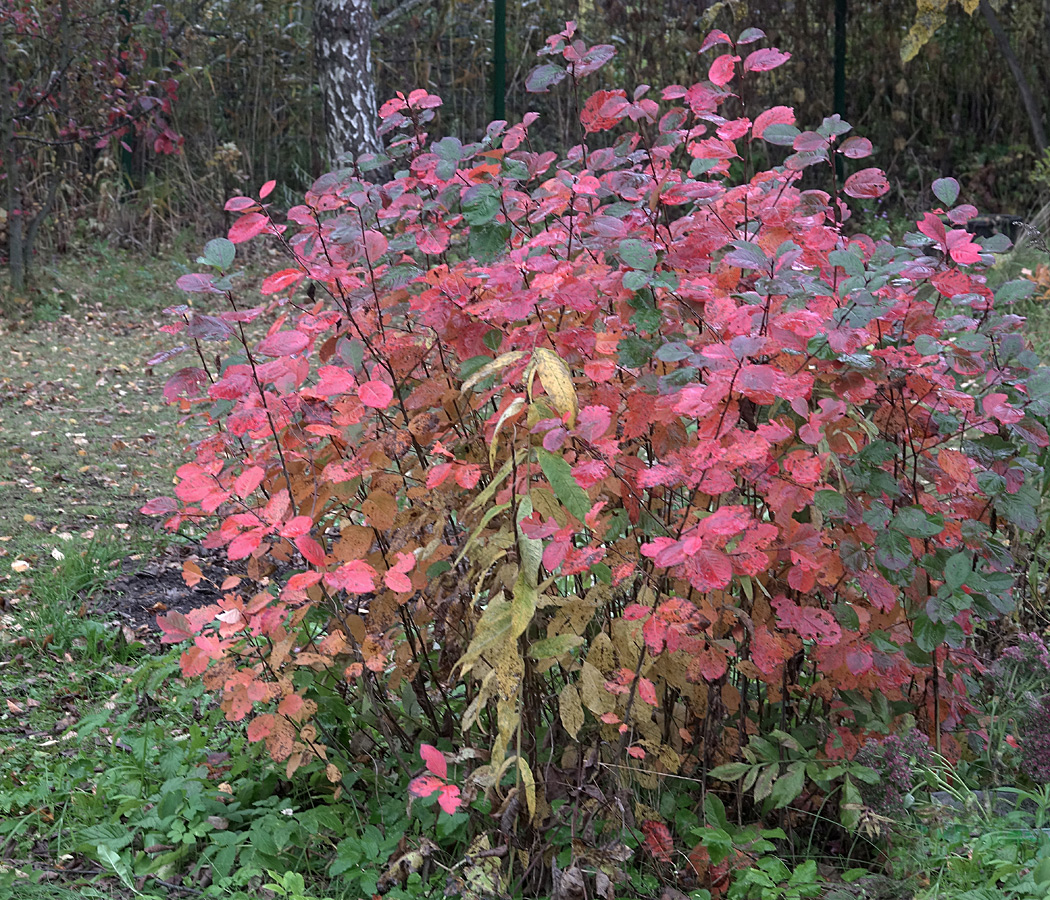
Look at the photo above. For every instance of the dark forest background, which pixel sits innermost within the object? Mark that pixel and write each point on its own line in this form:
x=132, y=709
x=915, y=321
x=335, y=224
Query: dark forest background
x=248, y=108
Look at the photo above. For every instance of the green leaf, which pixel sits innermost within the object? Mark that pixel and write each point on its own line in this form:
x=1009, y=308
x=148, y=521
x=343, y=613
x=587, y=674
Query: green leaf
x=715, y=811
x=831, y=503
x=956, y=570
x=638, y=254
x=847, y=260
x=543, y=78
x=946, y=190
x=849, y=809
x=928, y=634
x=480, y=204
x=893, y=551
x=747, y=255
x=914, y=522
x=559, y=473
x=555, y=647
x=730, y=771
x=789, y=785
x=486, y=242
x=218, y=253
x=781, y=134
x=648, y=320
x=634, y=351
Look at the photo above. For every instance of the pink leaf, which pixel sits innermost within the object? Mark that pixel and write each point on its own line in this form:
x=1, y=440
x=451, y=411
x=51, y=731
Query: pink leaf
x=248, y=226
x=334, y=380
x=376, y=394
x=196, y=283
x=723, y=69
x=434, y=759
x=998, y=406
x=450, y=800
x=855, y=147
x=714, y=38
x=267, y=189
x=355, y=577
x=425, y=785
x=283, y=343
x=248, y=481
x=296, y=527
x=867, y=184
x=240, y=204
x=764, y=60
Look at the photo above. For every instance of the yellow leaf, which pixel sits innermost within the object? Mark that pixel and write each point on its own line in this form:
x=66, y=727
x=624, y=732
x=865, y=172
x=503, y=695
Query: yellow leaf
x=593, y=693
x=500, y=362
x=556, y=380
x=512, y=410
x=490, y=634
x=571, y=710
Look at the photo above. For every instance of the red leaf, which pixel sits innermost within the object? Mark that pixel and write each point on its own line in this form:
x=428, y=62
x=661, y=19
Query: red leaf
x=438, y=475
x=998, y=406
x=260, y=727
x=245, y=544
x=334, y=380
x=867, y=184
x=160, y=506
x=961, y=247
x=376, y=394
x=311, y=550
x=267, y=189
x=468, y=476
x=658, y=840
x=279, y=281
x=186, y=382
x=764, y=60
x=396, y=577
x=723, y=69
x=933, y=228
x=435, y=760
x=777, y=115
x=248, y=481
x=283, y=343
x=248, y=226
x=810, y=622
x=647, y=692
x=710, y=663
x=176, y=628
x=297, y=526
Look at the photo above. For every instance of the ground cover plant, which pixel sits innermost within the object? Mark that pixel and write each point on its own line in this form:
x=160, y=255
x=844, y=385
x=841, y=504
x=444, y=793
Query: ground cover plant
x=555, y=477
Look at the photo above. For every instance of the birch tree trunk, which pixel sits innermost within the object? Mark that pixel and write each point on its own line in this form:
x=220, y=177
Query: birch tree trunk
x=343, y=47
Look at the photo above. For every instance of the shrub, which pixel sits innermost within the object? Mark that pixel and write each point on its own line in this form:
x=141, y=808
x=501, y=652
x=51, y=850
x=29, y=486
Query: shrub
x=894, y=759
x=605, y=458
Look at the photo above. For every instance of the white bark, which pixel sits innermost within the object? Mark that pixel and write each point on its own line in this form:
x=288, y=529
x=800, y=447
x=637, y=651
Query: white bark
x=343, y=47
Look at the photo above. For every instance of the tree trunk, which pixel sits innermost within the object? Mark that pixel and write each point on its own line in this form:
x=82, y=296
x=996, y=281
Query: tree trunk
x=343, y=48
x=15, y=228
x=1035, y=115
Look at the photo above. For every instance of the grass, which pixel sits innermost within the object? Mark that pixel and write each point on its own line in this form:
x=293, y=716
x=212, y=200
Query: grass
x=85, y=438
